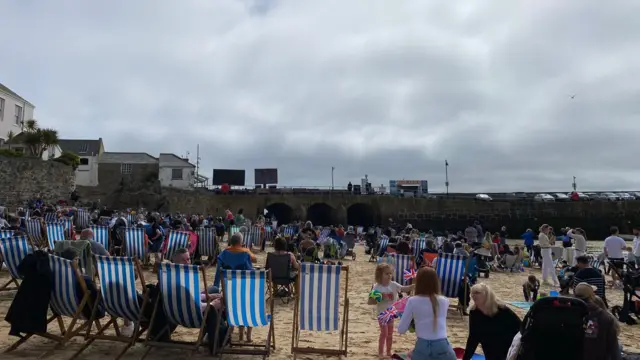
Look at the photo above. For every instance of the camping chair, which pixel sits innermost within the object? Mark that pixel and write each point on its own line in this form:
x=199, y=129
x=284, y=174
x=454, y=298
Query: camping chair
x=180, y=289
x=65, y=302
x=244, y=296
x=252, y=237
x=55, y=232
x=13, y=251
x=429, y=259
x=350, y=241
x=101, y=235
x=319, y=310
x=134, y=243
x=6, y=234
x=34, y=229
x=207, y=245
x=451, y=270
x=279, y=266
x=176, y=240
x=120, y=299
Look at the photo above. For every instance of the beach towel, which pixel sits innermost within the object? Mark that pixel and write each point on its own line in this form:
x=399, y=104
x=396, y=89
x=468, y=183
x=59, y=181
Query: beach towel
x=524, y=305
x=459, y=354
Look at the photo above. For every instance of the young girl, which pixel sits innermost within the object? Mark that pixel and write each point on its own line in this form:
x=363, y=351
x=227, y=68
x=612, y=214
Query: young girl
x=389, y=290
x=530, y=289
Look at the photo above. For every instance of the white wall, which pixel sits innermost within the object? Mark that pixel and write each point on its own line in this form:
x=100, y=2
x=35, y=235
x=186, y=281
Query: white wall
x=87, y=175
x=8, y=115
x=166, y=178
x=52, y=153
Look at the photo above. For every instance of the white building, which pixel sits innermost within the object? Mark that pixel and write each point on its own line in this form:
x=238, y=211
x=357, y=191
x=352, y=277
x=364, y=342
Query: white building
x=14, y=110
x=176, y=171
x=89, y=152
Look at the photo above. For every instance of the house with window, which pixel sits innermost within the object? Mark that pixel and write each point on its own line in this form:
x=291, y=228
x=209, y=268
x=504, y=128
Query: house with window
x=176, y=171
x=16, y=143
x=89, y=151
x=116, y=168
x=14, y=110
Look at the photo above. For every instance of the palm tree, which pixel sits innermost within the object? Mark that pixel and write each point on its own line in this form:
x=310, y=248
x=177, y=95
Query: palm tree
x=38, y=140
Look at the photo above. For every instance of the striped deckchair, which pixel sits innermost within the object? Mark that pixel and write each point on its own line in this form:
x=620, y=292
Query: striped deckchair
x=34, y=229
x=451, y=271
x=317, y=307
x=65, y=301
x=252, y=237
x=384, y=242
x=55, y=232
x=244, y=294
x=120, y=299
x=101, y=235
x=104, y=221
x=131, y=219
x=233, y=229
x=176, y=240
x=419, y=244
x=134, y=243
x=400, y=264
x=50, y=217
x=83, y=219
x=180, y=288
x=207, y=245
x=324, y=234
x=289, y=231
x=6, y=234
x=13, y=251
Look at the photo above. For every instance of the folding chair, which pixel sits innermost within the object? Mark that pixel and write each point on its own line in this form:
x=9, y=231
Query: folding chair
x=65, y=302
x=134, y=244
x=105, y=221
x=13, y=251
x=207, y=245
x=252, y=237
x=50, y=217
x=400, y=264
x=34, y=230
x=244, y=295
x=289, y=231
x=83, y=219
x=119, y=296
x=180, y=289
x=176, y=240
x=101, y=235
x=419, y=244
x=6, y=234
x=384, y=243
x=451, y=270
x=55, y=232
x=67, y=223
x=317, y=307
x=280, y=267
x=324, y=234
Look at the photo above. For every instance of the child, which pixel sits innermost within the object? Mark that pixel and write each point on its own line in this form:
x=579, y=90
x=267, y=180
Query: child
x=530, y=289
x=389, y=290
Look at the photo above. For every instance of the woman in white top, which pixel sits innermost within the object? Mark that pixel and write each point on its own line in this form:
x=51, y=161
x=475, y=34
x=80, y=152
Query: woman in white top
x=428, y=310
x=579, y=243
x=548, y=269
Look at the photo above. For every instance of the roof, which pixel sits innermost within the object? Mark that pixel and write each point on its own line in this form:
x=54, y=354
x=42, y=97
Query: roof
x=127, y=158
x=81, y=146
x=173, y=160
x=6, y=90
x=17, y=139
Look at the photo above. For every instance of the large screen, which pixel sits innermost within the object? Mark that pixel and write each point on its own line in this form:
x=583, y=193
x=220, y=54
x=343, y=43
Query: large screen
x=231, y=177
x=266, y=176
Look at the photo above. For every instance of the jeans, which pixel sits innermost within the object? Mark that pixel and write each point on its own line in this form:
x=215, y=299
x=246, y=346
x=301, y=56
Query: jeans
x=433, y=350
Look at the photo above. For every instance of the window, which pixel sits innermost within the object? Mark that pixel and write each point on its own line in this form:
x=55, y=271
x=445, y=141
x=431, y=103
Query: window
x=84, y=161
x=176, y=174
x=18, y=114
x=84, y=148
x=19, y=150
x=1, y=109
x=125, y=168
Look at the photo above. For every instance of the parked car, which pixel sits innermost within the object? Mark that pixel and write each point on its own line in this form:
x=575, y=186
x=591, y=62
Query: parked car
x=581, y=196
x=543, y=198
x=625, y=196
x=483, y=197
x=636, y=195
x=560, y=197
x=596, y=197
x=610, y=196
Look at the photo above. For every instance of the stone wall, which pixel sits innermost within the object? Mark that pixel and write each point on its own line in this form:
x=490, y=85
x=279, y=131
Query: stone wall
x=23, y=179
x=110, y=176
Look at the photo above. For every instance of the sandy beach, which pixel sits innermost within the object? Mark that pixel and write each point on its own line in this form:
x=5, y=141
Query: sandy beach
x=363, y=330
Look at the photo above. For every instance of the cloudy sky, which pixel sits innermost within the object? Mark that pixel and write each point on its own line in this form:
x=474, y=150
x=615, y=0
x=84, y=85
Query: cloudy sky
x=385, y=88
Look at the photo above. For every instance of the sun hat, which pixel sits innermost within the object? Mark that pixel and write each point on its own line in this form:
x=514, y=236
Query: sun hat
x=585, y=290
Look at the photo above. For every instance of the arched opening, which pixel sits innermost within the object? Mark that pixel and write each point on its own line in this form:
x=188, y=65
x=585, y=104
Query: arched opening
x=360, y=214
x=281, y=211
x=320, y=214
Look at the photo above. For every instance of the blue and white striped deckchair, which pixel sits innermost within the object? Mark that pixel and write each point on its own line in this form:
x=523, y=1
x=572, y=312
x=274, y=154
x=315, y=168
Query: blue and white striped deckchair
x=233, y=229
x=252, y=237
x=317, y=306
x=451, y=271
x=104, y=221
x=176, y=240
x=68, y=226
x=50, y=217
x=207, y=245
x=134, y=245
x=400, y=264
x=34, y=230
x=324, y=234
x=14, y=250
x=131, y=219
x=419, y=244
x=6, y=234
x=245, y=299
x=180, y=288
x=289, y=231
x=83, y=219
x=384, y=242
x=55, y=232
x=120, y=299
x=101, y=235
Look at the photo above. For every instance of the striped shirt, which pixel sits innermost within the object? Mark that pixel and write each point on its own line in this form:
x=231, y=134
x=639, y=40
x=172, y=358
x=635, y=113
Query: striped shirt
x=592, y=277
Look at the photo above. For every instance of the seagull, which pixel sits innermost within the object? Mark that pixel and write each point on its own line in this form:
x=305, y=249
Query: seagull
x=572, y=96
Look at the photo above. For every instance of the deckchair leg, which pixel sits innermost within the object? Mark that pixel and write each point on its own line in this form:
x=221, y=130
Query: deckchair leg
x=16, y=344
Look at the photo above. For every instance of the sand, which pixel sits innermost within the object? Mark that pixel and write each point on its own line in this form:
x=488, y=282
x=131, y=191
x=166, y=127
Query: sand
x=363, y=329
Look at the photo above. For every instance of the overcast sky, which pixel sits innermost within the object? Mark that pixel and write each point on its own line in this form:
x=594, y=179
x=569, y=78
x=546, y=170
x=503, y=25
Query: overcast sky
x=385, y=88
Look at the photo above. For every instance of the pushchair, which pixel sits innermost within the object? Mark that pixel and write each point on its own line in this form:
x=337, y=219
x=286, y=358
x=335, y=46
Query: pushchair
x=350, y=244
x=554, y=328
x=482, y=258
x=631, y=294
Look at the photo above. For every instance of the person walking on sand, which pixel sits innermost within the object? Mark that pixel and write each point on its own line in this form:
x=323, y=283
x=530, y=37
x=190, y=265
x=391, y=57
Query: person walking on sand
x=548, y=269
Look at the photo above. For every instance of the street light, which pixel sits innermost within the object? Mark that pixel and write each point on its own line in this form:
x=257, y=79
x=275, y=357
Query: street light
x=446, y=176
x=332, y=170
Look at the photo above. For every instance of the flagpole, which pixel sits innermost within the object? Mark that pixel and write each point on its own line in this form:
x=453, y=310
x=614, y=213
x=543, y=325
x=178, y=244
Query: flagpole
x=446, y=176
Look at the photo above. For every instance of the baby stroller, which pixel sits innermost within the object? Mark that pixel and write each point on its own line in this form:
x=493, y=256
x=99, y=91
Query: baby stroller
x=631, y=297
x=482, y=258
x=350, y=244
x=554, y=328
x=331, y=250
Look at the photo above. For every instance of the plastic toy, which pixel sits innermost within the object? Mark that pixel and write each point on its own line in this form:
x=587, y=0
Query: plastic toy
x=376, y=295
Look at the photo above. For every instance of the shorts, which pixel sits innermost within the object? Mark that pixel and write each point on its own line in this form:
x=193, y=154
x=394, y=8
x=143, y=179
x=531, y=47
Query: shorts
x=617, y=263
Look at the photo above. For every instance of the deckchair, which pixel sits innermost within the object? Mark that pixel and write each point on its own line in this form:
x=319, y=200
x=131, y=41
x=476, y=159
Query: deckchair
x=104, y=221
x=233, y=229
x=317, y=307
x=180, y=287
x=34, y=230
x=176, y=240
x=6, y=234
x=400, y=264
x=252, y=237
x=50, y=217
x=419, y=244
x=65, y=302
x=134, y=244
x=67, y=223
x=451, y=271
x=14, y=250
x=119, y=297
x=324, y=234
x=83, y=219
x=289, y=230
x=207, y=245
x=55, y=232
x=244, y=295
x=101, y=235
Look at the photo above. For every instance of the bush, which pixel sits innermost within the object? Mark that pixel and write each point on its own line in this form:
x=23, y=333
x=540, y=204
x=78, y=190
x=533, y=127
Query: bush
x=10, y=153
x=69, y=158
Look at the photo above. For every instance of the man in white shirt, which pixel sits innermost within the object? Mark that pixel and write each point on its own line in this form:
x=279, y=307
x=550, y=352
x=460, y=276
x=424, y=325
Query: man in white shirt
x=614, y=245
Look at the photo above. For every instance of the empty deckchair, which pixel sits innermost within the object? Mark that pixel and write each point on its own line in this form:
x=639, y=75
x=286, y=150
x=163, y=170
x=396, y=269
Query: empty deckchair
x=6, y=234
x=252, y=237
x=120, y=299
x=134, y=243
x=180, y=287
x=65, y=302
x=101, y=235
x=244, y=295
x=384, y=242
x=50, y=217
x=451, y=271
x=207, y=245
x=83, y=219
x=176, y=240
x=317, y=307
x=13, y=251
x=34, y=230
x=55, y=232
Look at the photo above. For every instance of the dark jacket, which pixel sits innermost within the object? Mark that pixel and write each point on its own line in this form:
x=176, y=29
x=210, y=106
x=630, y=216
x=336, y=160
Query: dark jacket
x=28, y=311
x=600, y=336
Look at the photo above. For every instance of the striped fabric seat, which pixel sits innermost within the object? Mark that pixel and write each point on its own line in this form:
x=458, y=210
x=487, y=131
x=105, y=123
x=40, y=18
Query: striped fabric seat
x=55, y=232
x=118, y=286
x=319, y=297
x=13, y=251
x=180, y=286
x=131, y=219
x=134, y=244
x=104, y=221
x=233, y=229
x=6, y=234
x=101, y=235
x=64, y=297
x=67, y=223
x=176, y=240
x=289, y=230
x=207, y=242
x=450, y=269
x=359, y=229
x=400, y=264
x=83, y=219
x=252, y=237
x=34, y=229
x=50, y=217
x=324, y=234
x=384, y=242
x=245, y=297
x=419, y=244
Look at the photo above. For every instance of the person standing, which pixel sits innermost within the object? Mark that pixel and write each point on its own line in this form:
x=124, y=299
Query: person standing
x=634, y=255
x=548, y=269
x=579, y=243
x=503, y=235
x=614, y=246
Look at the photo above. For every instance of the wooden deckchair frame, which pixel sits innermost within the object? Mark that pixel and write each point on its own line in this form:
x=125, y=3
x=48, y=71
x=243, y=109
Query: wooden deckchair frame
x=13, y=280
x=344, y=331
x=230, y=347
x=193, y=347
x=138, y=329
x=66, y=332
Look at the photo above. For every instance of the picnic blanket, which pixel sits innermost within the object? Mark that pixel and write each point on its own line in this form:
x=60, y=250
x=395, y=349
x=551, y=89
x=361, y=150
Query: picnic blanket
x=524, y=305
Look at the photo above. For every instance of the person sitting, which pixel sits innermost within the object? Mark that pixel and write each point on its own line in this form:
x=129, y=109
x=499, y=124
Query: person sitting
x=447, y=247
x=459, y=249
x=96, y=247
x=601, y=333
x=182, y=256
x=280, y=247
x=584, y=273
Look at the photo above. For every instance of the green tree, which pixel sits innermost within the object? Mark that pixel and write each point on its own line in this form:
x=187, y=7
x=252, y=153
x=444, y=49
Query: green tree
x=69, y=158
x=38, y=140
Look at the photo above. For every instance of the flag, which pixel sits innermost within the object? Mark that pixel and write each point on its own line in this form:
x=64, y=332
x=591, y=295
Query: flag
x=410, y=274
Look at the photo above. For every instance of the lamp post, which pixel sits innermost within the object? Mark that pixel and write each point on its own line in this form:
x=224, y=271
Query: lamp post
x=574, y=185
x=446, y=176
x=333, y=168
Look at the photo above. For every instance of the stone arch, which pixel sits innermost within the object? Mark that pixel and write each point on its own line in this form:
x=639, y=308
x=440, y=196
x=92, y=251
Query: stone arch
x=282, y=212
x=360, y=214
x=321, y=214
